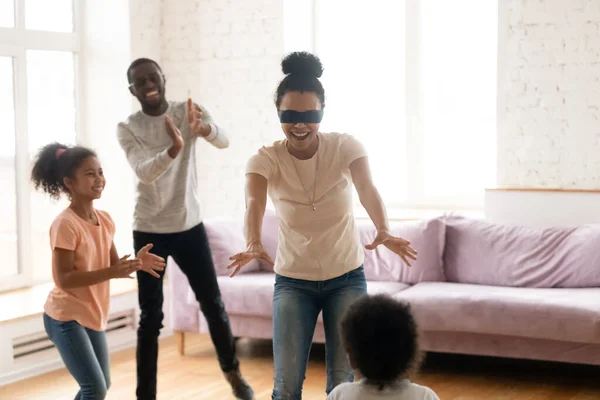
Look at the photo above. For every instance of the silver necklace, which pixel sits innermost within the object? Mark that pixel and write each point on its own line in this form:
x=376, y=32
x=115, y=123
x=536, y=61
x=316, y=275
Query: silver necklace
x=312, y=201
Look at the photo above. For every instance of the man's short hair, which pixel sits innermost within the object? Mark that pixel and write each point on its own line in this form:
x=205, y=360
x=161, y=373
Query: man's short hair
x=137, y=62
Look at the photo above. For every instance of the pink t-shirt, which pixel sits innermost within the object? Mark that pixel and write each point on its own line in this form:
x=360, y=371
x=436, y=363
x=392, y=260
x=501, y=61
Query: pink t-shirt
x=91, y=244
x=321, y=243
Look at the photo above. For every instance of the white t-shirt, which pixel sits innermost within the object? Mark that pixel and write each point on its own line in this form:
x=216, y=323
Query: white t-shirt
x=167, y=198
x=403, y=390
x=323, y=243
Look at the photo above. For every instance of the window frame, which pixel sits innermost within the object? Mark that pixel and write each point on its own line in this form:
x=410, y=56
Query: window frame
x=14, y=42
x=416, y=196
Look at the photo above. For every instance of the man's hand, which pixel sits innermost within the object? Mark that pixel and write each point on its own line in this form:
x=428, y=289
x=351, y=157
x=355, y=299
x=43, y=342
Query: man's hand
x=150, y=263
x=197, y=126
x=176, y=137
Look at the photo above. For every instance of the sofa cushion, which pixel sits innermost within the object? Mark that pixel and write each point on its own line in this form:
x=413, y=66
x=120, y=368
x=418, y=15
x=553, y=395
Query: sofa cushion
x=246, y=294
x=486, y=253
x=382, y=287
x=252, y=294
x=226, y=238
x=554, y=314
x=426, y=237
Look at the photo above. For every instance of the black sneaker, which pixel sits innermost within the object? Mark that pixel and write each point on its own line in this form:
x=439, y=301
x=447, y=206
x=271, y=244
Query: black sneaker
x=241, y=389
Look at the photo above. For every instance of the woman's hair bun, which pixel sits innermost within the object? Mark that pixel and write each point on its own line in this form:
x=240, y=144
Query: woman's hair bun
x=302, y=63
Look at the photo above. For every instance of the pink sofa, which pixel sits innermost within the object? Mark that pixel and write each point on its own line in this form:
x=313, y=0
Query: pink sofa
x=477, y=287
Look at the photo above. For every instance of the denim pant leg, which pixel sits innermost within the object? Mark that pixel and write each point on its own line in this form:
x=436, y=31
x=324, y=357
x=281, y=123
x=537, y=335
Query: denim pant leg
x=80, y=356
x=100, y=346
x=338, y=294
x=295, y=311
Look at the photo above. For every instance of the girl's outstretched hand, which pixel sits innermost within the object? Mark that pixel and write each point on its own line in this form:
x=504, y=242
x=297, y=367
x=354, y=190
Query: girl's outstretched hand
x=124, y=267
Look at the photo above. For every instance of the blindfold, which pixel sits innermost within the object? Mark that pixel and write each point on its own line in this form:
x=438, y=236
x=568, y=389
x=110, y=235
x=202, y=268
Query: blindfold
x=305, y=117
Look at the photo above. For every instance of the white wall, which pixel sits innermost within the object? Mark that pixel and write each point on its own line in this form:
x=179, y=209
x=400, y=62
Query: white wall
x=145, y=21
x=549, y=134
x=226, y=55
x=537, y=208
x=105, y=57
x=145, y=30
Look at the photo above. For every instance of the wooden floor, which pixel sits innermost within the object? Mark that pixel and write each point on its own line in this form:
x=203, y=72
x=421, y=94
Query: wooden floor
x=197, y=376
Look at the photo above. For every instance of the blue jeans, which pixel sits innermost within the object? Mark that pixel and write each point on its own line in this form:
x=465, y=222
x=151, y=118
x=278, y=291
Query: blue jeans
x=85, y=354
x=296, y=307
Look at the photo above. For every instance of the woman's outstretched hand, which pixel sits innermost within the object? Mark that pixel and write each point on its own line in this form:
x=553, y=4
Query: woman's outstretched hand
x=397, y=245
x=254, y=252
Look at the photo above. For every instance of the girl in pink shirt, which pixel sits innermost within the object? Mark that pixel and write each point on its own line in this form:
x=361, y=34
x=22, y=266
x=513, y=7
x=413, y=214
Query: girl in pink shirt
x=84, y=259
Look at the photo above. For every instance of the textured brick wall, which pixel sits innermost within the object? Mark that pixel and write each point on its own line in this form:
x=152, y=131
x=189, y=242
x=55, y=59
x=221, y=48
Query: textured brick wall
x=550, y=94
x=145, y=24
x=225, y=54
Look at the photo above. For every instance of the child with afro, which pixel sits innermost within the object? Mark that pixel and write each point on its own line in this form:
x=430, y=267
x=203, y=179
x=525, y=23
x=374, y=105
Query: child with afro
x=380, y=336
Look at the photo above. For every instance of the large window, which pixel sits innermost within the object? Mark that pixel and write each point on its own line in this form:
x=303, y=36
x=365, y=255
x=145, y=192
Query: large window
x=415, y=80
x=39, y=47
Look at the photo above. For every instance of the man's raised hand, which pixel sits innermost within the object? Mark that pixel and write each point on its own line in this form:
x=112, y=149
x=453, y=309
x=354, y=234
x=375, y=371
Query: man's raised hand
x=197, y=126
x=176, y=137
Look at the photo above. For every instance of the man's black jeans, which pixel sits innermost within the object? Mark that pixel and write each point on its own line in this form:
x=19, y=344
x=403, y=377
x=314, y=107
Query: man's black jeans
x=190, y=250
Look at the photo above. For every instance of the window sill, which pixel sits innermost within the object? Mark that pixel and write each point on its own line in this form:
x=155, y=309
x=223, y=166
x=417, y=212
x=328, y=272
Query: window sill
x=29, y=302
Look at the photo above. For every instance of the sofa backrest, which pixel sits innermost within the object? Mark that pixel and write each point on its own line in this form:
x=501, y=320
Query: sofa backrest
x=426, y=237
x=226, y=238
x=486, y=253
